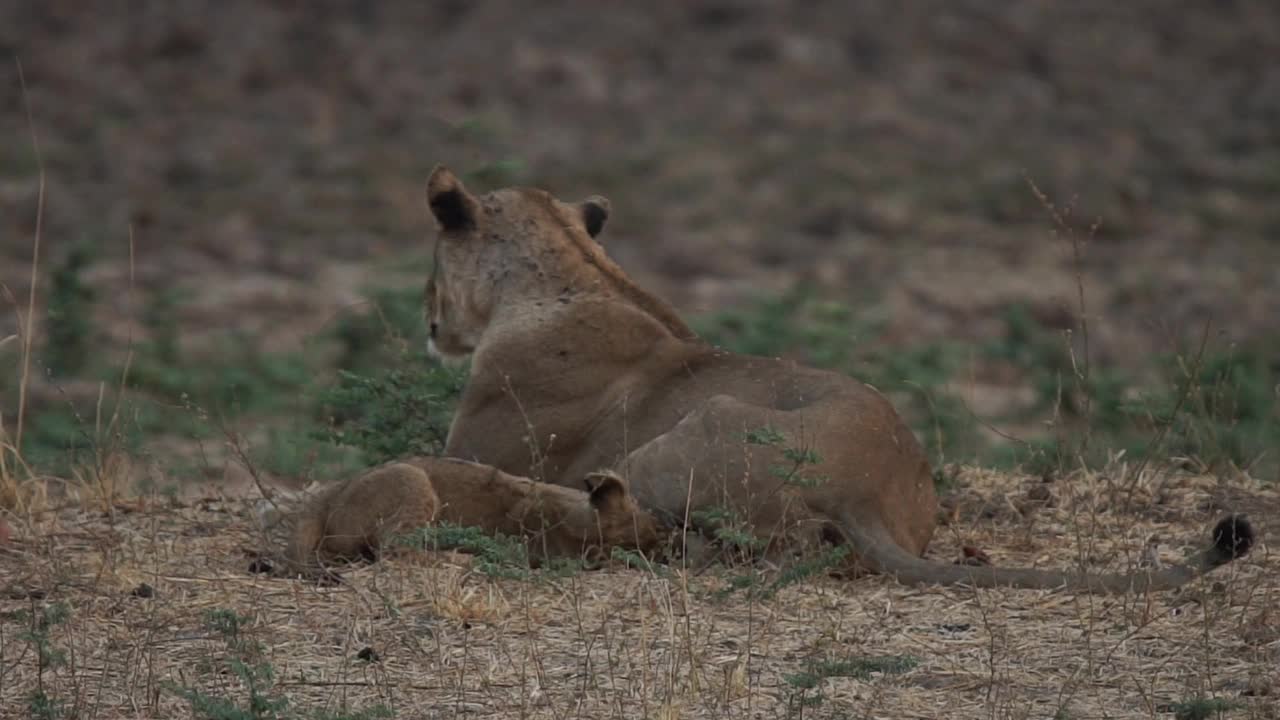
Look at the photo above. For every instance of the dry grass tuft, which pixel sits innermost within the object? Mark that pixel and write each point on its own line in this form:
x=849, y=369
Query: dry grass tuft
x=439, y=640
x=20, y=490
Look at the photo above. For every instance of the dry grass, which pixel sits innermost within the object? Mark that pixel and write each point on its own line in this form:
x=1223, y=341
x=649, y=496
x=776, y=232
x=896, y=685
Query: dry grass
x=626, y=643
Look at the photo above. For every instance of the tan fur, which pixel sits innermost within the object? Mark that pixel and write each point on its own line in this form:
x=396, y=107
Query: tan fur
x=356, y=517
x=574, y=367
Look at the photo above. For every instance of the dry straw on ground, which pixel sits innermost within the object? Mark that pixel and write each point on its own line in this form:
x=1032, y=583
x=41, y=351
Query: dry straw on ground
x=620, y=643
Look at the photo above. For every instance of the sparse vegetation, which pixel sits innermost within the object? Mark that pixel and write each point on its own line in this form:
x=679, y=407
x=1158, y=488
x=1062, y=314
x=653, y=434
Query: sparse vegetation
x=71, y=300
x=809, y=681
x=47, y=656
x=497, y=555
x=1218, y=408
x=374, y=396
x=1202, y=708
x=392, y=413
x=242, y=661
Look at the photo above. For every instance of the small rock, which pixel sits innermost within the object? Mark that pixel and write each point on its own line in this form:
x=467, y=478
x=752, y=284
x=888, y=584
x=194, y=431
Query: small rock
x=1040, y=493
x=1259, y=686
x=973, y=556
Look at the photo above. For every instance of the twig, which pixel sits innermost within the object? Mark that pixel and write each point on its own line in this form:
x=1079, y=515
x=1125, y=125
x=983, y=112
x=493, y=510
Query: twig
x=35, y=263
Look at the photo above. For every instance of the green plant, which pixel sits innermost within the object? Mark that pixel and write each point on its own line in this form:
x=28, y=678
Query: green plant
x=497, y=555
x=38, y=637
x=506, y=171
x=241, y=378
x=374, y=713
x=638, y=561
x=392, y=413
x=1232, y=409
x=810, y=567
x=1200, y=708
x=728, y=527
x=864, y=667
x=242, y=660
x=823, y=333
x=804, y=680
x=300, y=451
x=70, y=314
x=384, y=335
x=160, y=317
x=798, y=457
x=810, y=679
x=42, y=707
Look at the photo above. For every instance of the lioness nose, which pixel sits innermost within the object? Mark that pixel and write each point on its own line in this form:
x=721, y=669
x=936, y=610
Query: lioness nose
x=434, y=328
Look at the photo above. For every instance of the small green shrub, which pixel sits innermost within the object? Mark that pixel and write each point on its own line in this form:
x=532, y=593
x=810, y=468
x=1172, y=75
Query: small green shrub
x=729, y=528
x=40, y=705
x=37, y=635
x=70, y=314
x=796, y=457
x=392, y=413
x=1201, y=708
x=865, y=667
x=1220, y=408
x=160, y=316
x=384, y=336
x=301, y=451
x=811, y=567
x=808, y=682
x=804, y=680
x=498, y=173
x=241, y=658
x=496, y=555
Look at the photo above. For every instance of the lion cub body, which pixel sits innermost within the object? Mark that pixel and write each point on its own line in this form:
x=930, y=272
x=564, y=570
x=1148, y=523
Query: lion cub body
x=358, y=517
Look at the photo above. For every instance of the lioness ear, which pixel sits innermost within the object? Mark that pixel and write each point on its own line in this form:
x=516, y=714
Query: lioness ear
x=453, y=206
x=595, y=211
x=605, y=489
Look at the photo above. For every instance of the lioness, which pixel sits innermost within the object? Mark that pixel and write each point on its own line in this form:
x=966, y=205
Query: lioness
x=574, y=367
x=355, y=518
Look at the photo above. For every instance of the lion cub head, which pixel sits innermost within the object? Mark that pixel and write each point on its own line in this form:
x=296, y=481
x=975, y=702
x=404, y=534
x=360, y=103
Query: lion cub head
x=495, y=248
x=619, y=519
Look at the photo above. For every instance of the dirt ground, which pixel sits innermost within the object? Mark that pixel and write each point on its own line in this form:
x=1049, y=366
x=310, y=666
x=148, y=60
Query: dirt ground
x=144, y=590
x=267, y=155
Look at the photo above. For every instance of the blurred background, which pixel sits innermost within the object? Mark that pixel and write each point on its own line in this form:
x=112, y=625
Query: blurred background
x=1050, y=230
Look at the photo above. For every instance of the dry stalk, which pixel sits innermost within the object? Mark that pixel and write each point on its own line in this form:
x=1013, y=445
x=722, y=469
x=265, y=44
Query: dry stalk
x=27, y=331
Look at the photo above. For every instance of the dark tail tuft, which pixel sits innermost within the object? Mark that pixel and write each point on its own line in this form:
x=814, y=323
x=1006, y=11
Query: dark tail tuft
x=1232, y=538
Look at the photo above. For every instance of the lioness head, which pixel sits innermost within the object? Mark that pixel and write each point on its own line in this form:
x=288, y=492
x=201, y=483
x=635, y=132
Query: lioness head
x=482, y=240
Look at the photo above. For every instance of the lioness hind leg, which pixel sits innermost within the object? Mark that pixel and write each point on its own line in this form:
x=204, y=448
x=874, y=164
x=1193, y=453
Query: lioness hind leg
x=720, y=465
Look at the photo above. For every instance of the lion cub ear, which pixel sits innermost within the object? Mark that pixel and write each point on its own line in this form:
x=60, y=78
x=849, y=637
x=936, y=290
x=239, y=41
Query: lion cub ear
x=453, y=207
x=606, y=490
x=595, y=211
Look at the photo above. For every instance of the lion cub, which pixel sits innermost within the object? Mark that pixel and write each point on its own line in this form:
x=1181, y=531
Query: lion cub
x=356, y=517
